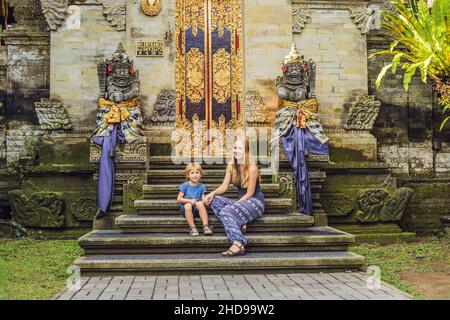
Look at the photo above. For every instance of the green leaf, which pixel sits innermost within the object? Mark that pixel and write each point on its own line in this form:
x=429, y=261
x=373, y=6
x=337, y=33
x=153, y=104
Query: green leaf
x=393, y=45
x=381, y=75
x=381, y=52
x=443, y=123
x=396, y=61
x=447, y=107
x=409, y=74
x=424, y=68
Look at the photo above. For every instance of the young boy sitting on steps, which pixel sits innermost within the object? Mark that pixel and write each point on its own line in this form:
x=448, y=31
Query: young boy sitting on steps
x=191, y=199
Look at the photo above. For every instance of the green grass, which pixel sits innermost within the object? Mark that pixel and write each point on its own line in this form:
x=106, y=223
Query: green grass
x=396, y=258
x=35, y=269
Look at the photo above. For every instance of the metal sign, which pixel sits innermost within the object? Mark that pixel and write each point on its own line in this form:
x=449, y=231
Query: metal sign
x=150, y=48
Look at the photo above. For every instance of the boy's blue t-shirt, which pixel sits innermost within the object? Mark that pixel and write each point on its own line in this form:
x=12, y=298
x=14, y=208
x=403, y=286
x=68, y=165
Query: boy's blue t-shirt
x=191, y=192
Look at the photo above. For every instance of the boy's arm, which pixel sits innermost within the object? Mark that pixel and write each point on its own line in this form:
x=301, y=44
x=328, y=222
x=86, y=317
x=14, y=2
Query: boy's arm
x=181, y=199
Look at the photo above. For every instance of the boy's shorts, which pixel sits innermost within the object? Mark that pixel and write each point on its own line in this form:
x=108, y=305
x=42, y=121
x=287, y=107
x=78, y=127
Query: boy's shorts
x=194, y=212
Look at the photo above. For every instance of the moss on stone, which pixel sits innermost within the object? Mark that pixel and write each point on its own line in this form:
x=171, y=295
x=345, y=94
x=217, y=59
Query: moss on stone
x=61, y=151
x=346, y=155
x=161, y=149
x=385, y=238
x=61, y=168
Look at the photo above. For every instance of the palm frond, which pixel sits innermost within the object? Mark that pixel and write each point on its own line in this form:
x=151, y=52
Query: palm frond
x=424, y=35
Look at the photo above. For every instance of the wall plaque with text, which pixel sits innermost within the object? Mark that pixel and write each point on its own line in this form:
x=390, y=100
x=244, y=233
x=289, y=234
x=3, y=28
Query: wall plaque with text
x=150, y=48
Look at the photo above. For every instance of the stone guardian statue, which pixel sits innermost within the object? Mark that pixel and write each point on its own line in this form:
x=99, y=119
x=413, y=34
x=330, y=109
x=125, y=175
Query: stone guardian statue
x=119, y=118
x=297, y=124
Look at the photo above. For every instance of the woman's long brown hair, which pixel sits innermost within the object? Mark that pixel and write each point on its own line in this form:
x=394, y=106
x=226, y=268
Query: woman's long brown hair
x=236, y=178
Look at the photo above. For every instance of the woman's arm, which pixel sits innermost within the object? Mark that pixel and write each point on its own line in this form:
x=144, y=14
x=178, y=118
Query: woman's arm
x=252, y=179
x=225, y=183
x=181, y=199
x=222, y=188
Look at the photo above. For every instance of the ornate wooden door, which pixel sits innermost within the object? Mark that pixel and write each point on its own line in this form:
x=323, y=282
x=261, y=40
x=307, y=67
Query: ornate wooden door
x=209, y=72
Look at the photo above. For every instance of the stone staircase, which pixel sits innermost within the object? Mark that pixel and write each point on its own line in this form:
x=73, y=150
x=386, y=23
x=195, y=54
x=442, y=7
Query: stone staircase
x=155, y=239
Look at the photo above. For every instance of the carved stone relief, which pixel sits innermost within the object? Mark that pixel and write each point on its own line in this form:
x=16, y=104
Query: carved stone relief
x=256, y=109
x=52, y=115
x=363, y=113
x=115, y=13
x=130, y=153
x=164, y=108
x=380, y=205
x=55, y=12
x=285, y=180
x=84, y=209
x=337, y=204
x=41, y=209
x=299, y=18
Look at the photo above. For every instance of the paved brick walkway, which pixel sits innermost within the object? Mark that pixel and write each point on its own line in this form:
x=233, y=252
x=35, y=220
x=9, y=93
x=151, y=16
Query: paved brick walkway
x=311, y=286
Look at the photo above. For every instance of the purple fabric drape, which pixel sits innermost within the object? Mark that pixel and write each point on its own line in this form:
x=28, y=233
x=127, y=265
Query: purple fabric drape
x=297, y=143
x=105, y=191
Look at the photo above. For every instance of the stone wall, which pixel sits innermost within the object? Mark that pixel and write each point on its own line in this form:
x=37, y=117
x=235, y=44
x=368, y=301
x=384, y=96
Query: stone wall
x=268, y=39
x=28, y=62
x=429, y=203
x=157, y=73
x=334, y=42
x=75, y=50
x=407, y=125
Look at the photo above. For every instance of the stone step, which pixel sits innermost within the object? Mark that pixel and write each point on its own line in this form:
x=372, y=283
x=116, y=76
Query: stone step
x=214, y=263
x=119, y=242
x=209, y=176
x=171, y=207
x=116, y=207
x=177, y=224
x=170, y=191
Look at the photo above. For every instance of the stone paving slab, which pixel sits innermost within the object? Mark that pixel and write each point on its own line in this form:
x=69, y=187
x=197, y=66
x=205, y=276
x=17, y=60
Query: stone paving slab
x=311, y=286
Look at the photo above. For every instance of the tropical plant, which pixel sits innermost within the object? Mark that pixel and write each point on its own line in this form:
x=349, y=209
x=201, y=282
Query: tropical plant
x=421, y=33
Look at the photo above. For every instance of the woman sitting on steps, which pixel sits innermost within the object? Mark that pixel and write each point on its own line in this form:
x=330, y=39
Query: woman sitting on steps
x=234, y=215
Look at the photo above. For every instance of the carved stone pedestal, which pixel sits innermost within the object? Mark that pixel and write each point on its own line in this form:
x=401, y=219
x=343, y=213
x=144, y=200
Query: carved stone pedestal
x=317, y=178
x=130, y=176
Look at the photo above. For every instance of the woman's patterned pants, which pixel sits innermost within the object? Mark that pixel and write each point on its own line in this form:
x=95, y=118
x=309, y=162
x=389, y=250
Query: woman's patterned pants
x=234, y=215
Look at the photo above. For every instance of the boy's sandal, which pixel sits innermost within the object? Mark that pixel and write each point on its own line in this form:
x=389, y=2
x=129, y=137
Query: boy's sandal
x=230, y=253
x=193, y=232
x=207, y=230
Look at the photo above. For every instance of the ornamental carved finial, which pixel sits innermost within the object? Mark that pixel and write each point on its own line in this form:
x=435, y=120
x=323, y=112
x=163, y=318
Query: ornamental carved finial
x=300, y=17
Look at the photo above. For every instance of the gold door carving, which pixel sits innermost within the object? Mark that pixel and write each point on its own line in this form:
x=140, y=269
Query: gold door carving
x=209, y=73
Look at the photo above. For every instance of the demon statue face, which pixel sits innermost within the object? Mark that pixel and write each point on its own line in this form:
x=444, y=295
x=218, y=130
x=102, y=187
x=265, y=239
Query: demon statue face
x=118, y=80
x=298, y=80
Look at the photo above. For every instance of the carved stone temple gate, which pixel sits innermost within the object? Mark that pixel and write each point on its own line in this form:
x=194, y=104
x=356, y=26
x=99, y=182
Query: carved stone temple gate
x=209, y=72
